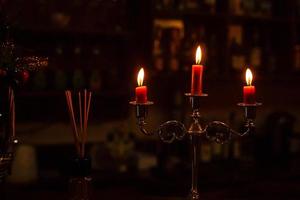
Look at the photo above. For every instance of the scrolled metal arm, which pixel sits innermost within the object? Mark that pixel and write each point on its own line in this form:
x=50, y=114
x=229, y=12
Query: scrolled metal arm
x=168, y=131
x=220, y=132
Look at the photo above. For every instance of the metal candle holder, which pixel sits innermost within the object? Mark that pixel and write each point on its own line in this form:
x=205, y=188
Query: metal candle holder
x=6, y=160
x=216, y=131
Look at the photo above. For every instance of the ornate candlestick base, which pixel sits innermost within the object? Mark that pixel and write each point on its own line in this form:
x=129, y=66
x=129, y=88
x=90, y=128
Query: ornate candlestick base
x=216, y=131
x=6, y=160
x=5, y=165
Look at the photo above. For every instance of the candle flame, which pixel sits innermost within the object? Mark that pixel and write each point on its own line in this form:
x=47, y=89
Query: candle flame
x=249, y=76
x=140, y=77
x=198, y=55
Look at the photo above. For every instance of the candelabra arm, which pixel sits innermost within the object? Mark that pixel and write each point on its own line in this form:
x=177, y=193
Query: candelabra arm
x=250, y=129
x=142, y=126
x=220, y=132
x=167, y=132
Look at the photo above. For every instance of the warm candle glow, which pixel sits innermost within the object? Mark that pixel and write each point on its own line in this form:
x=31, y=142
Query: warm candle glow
x=249, y=76
x=140, y=78
x=198, y=55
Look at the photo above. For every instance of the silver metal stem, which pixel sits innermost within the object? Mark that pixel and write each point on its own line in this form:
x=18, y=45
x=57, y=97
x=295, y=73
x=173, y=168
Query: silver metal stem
x=195, y=132
x=194, y=195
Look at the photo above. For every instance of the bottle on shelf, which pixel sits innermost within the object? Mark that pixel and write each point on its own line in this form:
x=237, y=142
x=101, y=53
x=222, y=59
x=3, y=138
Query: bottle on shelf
x=40, y=80
x=212, y=55
x=157, y=50
x=189, y=45
x=270, y=59
x=217, y=151
x=78, y=79
x=206, y=152
x=250, y=7
x=191, y=4
x=95, y=80
x=238, y=60
x=158, y=63
x=60, y=80
x=164, y=4
x=297, y=57
x=256, y=52
x=235, y=7
x=297, y=8
x=237, y=54
x=210, y=6
x=265, y=7
x=174, y=49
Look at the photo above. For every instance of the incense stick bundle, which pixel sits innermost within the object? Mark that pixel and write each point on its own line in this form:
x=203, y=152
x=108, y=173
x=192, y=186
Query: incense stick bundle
x=12, y=114
x=79, y=130
x=8, y=118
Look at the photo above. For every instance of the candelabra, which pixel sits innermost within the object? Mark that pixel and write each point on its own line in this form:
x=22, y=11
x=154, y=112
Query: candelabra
x=14, y=72
x=216, y=131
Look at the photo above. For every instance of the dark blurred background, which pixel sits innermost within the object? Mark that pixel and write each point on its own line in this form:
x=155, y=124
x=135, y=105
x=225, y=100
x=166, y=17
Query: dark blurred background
x=100, y=44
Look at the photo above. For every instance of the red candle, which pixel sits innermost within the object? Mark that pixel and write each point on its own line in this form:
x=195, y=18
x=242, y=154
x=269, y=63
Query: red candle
x=197, y=71
x=141, y=91
x=249, y=90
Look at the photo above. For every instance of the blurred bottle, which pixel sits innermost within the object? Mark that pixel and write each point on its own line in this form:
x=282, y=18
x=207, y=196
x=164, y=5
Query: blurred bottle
x=256, y=51
x=217, y=151
x=266, y=7
x=189, y=47
x=250, y=7
x=157, y=50
x=297, y=57
x=80, y=181
x=235, y=7
x=238, y=60
x=237, y=54
x=121, y=147
x=40, y=80
x=226, y=151
x=212, y=54
x=78, y=79
x=60, y=80
x=177, y=112
x=297, y=8
x=270, y=61
x=236, y=149
x=205, y=151
x=95, y=80
x=159, y=63
x=210, y=6
x=191, y=4
x=174, y=48
x=164, y=4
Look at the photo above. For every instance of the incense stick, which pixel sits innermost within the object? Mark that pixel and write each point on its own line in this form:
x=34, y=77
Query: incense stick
x=11, y=111
x=84, y=124
x=72, y=118
x=80, y=136
x=80, y=111
x=13, y=115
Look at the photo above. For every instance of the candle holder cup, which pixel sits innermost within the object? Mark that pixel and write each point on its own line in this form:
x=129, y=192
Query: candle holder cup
x=215, y=131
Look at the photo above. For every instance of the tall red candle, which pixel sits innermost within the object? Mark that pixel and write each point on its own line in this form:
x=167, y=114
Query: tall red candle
x=197, y=71
x=249, y=90
x=141, y=91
